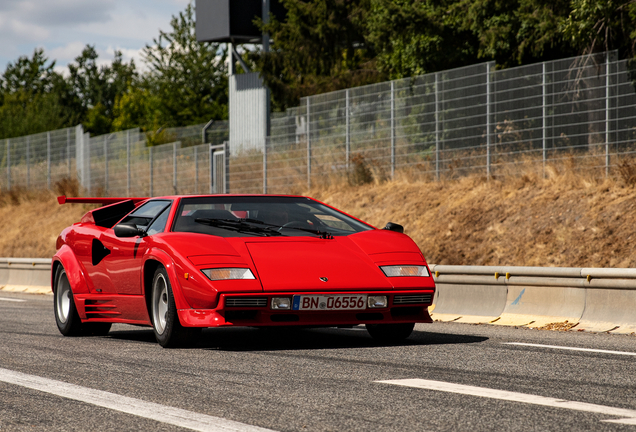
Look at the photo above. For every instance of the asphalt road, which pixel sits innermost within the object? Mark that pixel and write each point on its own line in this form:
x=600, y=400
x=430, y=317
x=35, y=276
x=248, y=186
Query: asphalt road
x=315, y=380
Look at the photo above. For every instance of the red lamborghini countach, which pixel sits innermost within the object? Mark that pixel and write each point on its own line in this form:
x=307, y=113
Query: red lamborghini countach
x=183, y=263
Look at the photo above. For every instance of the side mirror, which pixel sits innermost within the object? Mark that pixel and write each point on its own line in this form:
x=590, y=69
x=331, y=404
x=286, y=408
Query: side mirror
x=127, y=230
x=394, y=227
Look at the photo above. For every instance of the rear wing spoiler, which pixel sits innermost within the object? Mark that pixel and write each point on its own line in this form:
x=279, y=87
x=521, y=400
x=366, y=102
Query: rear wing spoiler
x=101, y=200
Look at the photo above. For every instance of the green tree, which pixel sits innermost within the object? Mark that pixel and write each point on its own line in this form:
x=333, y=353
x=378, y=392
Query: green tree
x=319, y=47
x=187, y=82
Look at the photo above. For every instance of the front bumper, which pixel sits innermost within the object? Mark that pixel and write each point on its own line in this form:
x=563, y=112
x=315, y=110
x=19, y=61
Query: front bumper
x=408, y=306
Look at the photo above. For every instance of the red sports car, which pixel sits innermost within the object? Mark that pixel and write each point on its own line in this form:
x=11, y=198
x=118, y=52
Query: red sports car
x=182, y=263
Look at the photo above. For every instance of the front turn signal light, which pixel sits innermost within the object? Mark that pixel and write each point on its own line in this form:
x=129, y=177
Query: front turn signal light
x=228, y=273
x=405, y=270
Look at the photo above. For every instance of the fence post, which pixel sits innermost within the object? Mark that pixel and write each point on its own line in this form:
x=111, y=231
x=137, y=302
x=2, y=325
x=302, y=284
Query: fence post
x=392, y=129
x=265, y=166
x=48, y=160
x=211, y=158
x=174, y=167
x=8, y=164
x=226, y=155
x=128, y=162
x=607, y=113
x=308, y=145
x=27, y=162
x=544, y=117
x=437, y=126
x=106, y=163
x=488, y=101
x=196, y=170
x=68, y=151
x=151, y=176
x=347, y=130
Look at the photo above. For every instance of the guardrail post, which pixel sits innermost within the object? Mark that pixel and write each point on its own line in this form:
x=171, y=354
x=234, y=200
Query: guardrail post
x=392, y=129
x=437, y=126
x=48, y=160
x=347, y=130
x=308, y=145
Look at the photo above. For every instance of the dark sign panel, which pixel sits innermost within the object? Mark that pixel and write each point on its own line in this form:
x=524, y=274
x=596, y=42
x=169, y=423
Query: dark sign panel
x=232, y=20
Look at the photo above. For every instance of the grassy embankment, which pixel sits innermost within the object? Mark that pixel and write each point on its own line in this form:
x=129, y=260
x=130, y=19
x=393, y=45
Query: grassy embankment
x=569, y=219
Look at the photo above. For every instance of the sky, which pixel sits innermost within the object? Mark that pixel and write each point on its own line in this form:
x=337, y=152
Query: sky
x=64, y=27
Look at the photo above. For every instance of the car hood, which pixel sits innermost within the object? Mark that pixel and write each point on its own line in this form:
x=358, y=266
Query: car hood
x=312, y=264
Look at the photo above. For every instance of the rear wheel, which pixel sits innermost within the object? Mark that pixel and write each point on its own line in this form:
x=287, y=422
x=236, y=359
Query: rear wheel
x=66, y=316
x=168, y=330
x=390, y=332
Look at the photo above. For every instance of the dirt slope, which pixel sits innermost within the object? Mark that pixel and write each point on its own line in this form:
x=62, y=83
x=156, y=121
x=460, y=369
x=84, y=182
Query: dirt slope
x=566, y=220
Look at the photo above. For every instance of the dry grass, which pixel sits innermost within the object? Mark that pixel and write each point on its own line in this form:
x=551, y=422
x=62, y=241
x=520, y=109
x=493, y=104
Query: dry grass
x=573, y=217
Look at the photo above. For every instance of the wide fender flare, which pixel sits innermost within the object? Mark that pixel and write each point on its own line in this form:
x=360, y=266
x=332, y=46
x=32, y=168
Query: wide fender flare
x=171, y=268
x=66, y=257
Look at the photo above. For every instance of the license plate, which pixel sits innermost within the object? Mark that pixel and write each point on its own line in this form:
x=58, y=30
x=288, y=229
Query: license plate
x=329, y=302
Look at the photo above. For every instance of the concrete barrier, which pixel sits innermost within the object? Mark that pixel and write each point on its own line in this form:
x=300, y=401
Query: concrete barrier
x=25, y=275
x=591, y=299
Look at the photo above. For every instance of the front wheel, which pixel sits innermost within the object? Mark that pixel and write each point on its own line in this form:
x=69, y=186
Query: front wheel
x=390, y=332
x=168, y=330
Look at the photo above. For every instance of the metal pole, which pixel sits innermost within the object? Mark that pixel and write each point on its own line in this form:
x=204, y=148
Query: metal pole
x=226, y=153
x=128, y=162
x=437, y=126
x=544, y=128
x=27, y=162
x=8, y=164
x=211, y=157
x=174, y=167
x=265, y=166
x=488, y=120
x=151, y=176
x=392, y=129
x=308, y=145
x=348, y=129
x=68, y=151
x=268, y=122
x=106, y=163
x=607, y=113
x=48, y=160
x=196, y=170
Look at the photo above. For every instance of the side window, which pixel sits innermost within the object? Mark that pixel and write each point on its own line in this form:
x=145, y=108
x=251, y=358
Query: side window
x=145, y=214
x=159, y=225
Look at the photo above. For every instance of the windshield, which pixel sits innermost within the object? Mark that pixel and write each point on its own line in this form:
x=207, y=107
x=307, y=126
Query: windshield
x=261, y=216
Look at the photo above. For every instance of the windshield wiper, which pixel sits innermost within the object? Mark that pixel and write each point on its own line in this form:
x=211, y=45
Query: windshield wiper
x=323, y=234
x=239, y=225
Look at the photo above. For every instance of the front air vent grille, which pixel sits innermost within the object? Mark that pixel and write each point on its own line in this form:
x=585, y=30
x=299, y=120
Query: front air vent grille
x=246, y=302
x=412, y=299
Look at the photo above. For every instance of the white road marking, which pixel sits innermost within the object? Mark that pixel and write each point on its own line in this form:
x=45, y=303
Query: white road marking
x=137, y=407
x=571, y=348
x=12, y=300
x=629, y=415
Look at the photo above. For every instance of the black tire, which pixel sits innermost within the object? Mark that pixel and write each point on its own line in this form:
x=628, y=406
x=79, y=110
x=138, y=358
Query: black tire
x=66, y=316
x=390, y=332
x=165, y=321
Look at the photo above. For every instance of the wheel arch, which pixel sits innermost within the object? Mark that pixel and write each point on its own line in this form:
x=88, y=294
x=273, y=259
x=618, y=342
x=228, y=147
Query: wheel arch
x=65, y=257
x=154, y=259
